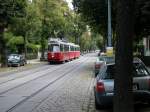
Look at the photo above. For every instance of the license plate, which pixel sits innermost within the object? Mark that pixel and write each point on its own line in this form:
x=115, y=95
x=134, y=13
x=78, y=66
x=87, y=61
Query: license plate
x=134, y=87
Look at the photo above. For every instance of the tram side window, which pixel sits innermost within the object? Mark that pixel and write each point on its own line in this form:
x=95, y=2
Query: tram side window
x=66, y=48
x=72, y=48
x=75, y=49
x=61, y=47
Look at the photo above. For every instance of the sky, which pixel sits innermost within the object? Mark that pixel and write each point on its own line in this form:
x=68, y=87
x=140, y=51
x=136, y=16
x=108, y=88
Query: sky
x=70, y=4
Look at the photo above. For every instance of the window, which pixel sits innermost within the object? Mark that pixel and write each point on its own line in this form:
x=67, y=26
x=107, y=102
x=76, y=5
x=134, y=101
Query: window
x=72, y=48
x=61, y=47
x=110, y=72
x=139, y=70
x=66, y=47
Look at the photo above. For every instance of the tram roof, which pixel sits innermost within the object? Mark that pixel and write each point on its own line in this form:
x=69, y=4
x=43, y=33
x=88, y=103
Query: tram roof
x=59, y=41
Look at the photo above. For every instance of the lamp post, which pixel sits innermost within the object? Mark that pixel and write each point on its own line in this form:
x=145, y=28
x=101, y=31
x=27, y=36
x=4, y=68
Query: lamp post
x=109, y=48
x=109, y=25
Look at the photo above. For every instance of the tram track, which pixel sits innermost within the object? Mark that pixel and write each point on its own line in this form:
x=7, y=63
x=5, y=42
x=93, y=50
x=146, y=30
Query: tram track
x=25, y=74
x=47, y=85
x=46, y=73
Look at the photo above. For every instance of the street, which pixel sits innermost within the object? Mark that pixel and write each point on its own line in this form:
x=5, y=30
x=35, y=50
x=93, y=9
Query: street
x=53, y=88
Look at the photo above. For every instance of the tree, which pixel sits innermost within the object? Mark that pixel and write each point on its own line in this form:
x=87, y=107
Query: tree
x=29, y=26
x=14, y=43
x=9, y=10
x=142, y=14
x=57, y=21
x=123, y=97
x=94, y=13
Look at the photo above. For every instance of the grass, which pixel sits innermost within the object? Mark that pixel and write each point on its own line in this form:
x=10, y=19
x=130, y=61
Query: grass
x=14, y=69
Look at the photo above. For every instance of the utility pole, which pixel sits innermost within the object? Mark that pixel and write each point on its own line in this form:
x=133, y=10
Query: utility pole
x=109, y=24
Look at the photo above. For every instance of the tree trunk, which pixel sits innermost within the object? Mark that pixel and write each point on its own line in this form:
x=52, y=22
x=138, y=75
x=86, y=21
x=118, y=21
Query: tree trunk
x=3, y=49
x=42, y=49
x=123, y=97
x=25, y=46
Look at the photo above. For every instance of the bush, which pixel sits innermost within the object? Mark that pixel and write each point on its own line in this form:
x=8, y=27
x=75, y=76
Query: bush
x=32, y=56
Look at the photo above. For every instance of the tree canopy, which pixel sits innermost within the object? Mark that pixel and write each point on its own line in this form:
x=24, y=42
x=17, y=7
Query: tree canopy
x=95, y=13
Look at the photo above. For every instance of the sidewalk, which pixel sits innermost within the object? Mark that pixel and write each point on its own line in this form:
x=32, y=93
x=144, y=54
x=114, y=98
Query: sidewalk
x=34, y=61
x=30, y=64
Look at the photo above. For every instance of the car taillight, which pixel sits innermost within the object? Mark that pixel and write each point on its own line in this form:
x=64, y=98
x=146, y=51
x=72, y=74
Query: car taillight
x=100, y=87
x=97, y=66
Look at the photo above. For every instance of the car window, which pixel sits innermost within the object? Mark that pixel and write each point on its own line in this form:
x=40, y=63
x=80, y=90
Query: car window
x=110, y=72
x=139, y=70
x=101, y=71
x=107, y=59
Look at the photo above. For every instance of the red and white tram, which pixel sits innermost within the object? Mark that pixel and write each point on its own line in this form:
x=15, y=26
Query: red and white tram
x=60, y=51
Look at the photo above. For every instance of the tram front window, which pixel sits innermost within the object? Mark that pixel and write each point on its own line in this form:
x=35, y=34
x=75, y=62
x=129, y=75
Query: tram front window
x=54, y=48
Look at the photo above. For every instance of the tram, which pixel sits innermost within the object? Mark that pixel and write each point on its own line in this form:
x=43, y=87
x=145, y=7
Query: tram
x=61, y=51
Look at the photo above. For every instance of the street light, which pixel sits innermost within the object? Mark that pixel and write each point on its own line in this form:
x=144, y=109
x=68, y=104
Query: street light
x=109, y=24
x=109, y=49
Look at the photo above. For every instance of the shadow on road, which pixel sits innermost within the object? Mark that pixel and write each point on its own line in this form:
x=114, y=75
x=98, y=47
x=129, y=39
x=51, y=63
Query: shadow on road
x=140, y=107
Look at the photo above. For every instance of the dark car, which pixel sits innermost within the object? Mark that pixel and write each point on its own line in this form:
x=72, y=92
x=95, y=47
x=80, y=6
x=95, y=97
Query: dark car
x=16, y=60
x=104, y=85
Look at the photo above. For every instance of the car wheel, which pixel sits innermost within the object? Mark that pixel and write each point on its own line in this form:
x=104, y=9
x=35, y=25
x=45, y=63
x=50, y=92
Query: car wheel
x=97, y=106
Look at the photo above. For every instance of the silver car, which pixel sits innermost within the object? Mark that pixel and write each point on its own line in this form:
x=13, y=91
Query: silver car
x=101, y=60
x=105, y=84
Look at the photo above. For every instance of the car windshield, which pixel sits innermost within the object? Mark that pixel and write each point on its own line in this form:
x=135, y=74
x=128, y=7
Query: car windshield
x=107, y=59
x=14, y=56
x=110, y=72
x=54, y=48
x=139, y=70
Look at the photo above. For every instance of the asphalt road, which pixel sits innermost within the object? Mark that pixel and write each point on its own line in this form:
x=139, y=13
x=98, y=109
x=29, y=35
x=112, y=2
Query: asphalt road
x=52, y=88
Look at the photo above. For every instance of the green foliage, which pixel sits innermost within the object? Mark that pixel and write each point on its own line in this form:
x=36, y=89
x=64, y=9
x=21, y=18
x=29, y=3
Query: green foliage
x=52, y=17
x=32, y=48
x=30, y=23
x=13, y=42
x=11, y=9
x=88, y=41
x=99, y=41
x=94, y=12
x=142, y=23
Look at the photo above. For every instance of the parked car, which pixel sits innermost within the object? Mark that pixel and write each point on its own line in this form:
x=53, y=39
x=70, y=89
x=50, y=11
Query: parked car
x=104, y=85
x=101, y=53
x=16, y=60
x=101, y=60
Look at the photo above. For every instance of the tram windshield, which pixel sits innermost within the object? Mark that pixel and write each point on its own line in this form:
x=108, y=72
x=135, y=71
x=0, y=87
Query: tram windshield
x=54, y=48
